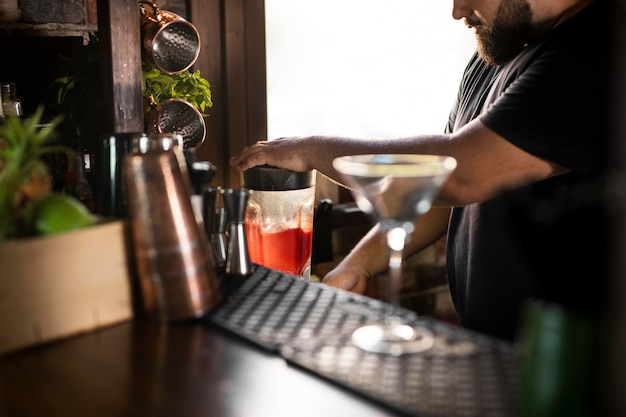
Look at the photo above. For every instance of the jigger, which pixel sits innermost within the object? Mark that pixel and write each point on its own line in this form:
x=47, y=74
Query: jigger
x=237, y=258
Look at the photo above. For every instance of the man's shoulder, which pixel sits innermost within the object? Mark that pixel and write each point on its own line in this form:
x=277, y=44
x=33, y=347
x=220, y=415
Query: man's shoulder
x=589, y=25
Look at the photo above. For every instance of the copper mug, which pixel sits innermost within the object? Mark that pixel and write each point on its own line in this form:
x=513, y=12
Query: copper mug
x=176, y=116
x=170, y=42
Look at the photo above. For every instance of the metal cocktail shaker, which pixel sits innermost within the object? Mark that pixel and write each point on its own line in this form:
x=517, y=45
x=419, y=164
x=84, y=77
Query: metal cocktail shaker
x=176, y=271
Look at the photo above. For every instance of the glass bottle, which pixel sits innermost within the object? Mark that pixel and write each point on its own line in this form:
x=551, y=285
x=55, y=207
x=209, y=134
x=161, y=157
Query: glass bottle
x=11, y=103
x=76, y=183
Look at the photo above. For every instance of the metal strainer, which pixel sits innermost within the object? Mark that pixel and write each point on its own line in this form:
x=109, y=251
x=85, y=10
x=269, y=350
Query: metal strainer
x=177, y=116
x=169, y=41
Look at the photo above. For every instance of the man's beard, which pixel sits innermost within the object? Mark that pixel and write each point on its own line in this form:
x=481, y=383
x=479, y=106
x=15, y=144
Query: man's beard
x=509, y=34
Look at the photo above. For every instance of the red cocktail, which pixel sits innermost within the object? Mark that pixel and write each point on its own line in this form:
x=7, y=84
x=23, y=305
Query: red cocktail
x=286, y=250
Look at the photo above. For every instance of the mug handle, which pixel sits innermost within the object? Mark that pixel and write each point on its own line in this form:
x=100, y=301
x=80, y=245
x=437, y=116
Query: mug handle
x=156, y=16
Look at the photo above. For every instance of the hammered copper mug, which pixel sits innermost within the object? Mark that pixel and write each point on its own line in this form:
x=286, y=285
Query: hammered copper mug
x=169, y=41
x=176, y=116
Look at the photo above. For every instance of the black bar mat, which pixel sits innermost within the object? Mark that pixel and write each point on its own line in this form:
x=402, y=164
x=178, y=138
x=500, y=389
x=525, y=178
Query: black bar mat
x=464, y=374
x=271, y=309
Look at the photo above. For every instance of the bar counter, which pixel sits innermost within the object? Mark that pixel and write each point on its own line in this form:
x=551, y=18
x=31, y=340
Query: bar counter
x=185, y=370
x=274, y=346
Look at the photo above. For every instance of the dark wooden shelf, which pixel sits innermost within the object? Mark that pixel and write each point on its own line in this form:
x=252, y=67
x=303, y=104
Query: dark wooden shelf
x=46, y=30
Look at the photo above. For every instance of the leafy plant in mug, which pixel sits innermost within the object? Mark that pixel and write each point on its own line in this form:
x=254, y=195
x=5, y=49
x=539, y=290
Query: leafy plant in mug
x=158, y=87
x=78, y=91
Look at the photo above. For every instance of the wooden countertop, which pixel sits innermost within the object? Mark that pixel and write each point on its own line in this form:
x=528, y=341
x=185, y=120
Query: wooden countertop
x=184, y=370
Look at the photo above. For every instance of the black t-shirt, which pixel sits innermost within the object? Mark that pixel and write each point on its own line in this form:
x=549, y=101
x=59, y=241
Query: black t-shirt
x=546, y=240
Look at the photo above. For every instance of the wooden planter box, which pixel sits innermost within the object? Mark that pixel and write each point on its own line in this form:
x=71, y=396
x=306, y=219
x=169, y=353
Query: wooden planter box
x=63, y=285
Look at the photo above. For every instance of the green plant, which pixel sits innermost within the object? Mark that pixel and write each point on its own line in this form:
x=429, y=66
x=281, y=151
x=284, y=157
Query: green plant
x=23, y=173
x=78, y=91
x=54, y=213
x=185, y=85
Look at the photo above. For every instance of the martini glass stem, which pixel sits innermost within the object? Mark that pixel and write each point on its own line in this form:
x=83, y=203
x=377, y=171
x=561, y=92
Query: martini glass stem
x=396, y=238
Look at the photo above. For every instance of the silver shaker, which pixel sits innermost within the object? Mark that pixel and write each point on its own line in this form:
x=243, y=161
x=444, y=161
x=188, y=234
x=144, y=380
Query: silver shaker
x=237, y=257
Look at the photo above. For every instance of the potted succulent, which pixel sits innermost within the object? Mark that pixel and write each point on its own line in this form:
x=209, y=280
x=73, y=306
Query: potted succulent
x=63, y=270
x=28, y=205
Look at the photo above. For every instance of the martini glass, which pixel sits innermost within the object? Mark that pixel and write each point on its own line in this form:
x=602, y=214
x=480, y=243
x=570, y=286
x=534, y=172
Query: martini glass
x=394, y=189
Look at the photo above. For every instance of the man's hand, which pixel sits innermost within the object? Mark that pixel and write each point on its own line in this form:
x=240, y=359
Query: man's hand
x=294, y=154
x=302, y=154
x=347, y=278
x=368, y=258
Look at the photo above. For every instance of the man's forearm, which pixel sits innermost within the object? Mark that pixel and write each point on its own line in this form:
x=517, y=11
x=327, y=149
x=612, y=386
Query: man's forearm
x=372, y=254
x=429, y=228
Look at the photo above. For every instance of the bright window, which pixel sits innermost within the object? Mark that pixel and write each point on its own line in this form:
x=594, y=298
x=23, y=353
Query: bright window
x=367, y=68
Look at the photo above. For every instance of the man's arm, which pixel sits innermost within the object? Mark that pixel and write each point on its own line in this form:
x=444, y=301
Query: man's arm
x=487, y=164
x=370, y=256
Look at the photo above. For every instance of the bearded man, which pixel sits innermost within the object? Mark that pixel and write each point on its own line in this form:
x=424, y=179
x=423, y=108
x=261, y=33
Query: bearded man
x=525, y=209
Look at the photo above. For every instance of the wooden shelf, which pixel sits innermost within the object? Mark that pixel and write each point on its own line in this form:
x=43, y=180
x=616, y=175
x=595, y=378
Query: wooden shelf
x=47, y=30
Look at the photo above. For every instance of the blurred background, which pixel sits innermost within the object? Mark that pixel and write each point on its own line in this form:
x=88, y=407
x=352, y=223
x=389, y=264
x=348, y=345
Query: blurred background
x=365, y=68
